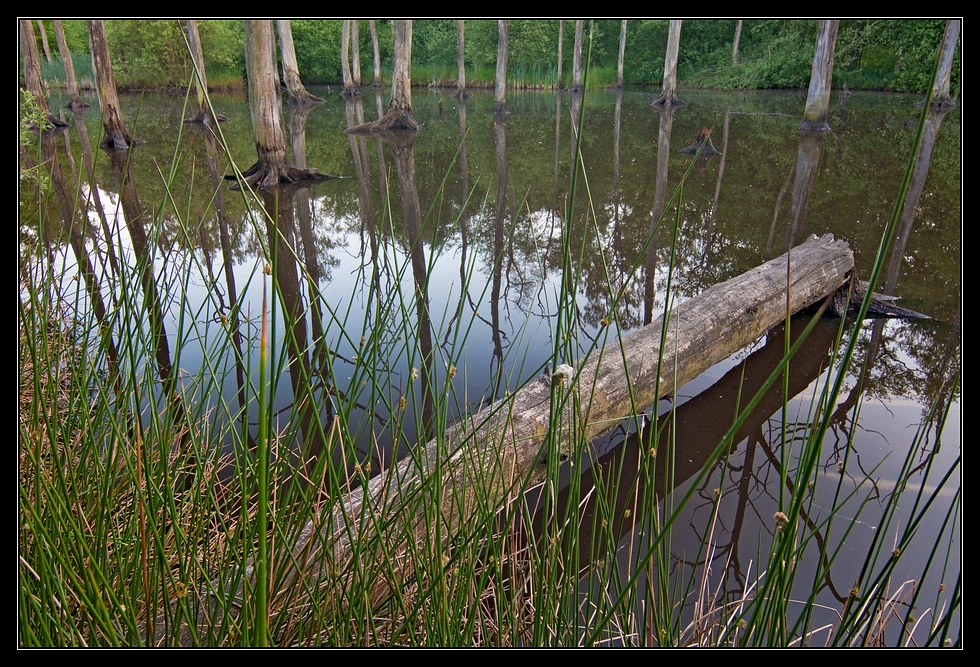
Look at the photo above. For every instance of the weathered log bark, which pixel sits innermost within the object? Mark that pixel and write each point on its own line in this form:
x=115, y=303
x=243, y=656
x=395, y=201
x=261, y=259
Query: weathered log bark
x=488, y=458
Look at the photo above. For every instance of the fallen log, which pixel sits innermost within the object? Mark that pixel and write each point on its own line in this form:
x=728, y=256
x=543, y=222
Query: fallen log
x=488, y=458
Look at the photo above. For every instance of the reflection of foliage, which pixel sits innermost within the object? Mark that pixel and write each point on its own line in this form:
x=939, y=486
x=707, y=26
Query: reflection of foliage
x=853, y=197
x=34, y=181
x=913, y=360
x=935, y=348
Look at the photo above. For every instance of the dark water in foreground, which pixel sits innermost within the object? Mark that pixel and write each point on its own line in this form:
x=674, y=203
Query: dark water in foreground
x=493, y=199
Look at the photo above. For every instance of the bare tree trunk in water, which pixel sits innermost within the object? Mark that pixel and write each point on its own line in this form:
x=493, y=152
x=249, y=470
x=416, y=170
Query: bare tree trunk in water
x=74, y=95
x=32, y=70
x=348, y=79
x=200, y=81
x=460, y=61
x=561, y=41
x=401, y=87
x=577, y=58
x=44, y=40
x=290, y=68
x=265, y=106
x=377, y=54
x=622, y=54
x=355, y=37
x=668, y=94
x=940, y=90
x=738, y=36
x=500, y=80
x=818, y=98
x=116, y=134
x=399, y=115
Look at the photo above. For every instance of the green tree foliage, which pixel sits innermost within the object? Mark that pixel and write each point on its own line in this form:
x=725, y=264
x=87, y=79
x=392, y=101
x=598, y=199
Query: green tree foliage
x=903, y=53
x=318, y=49
x=76, y=35
x=153, y=51
x=877, y=54
x=223, y=43
x=150, y=49
x=434, y=42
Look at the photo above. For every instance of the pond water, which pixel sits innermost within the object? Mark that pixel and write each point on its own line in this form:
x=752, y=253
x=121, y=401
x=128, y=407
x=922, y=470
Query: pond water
x=473, y=217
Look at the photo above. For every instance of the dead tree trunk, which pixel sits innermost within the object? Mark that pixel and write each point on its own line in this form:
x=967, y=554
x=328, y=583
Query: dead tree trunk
x=668, y=94
x=399, y=115
x=290, y=67
x=940, y=91
x=500, y=79
x=460, y=61
x=622, y=54
x=345, y=72
x=71, y=82
x=44, y=40
x=818, y=97
x=738, y=36
x=355, y=55
x=199, y=80
x=577, y=58
x=265, y=106
x=116, y=134
x=32, y=71
x=377, y=83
